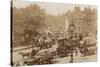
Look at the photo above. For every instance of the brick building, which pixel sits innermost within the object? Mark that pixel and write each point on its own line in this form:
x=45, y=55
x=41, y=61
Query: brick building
x=84, y=20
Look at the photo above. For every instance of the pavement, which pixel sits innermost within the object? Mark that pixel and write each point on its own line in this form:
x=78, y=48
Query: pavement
x=77, y=58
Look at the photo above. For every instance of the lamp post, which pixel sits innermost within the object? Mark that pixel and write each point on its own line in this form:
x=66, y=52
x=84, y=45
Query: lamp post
x=71, y=31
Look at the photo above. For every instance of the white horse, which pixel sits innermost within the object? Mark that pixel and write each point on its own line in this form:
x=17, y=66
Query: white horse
x=24, y=54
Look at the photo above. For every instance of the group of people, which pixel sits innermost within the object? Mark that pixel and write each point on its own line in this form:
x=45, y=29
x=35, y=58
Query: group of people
x=76, y=41
x=66, y=46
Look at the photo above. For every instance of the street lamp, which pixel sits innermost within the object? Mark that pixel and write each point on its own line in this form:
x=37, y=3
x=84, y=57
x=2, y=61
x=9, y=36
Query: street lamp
x=71, y=31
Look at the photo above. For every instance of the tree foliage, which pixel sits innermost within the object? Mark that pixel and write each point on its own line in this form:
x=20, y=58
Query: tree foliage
x=27, y=19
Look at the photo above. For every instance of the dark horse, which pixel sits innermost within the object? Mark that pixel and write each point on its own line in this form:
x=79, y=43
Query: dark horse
x=64, y=47
x=83, y=45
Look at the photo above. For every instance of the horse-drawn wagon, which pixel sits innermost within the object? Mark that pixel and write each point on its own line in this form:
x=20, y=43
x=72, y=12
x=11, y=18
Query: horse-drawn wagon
x=63, y=47
x=41, y=57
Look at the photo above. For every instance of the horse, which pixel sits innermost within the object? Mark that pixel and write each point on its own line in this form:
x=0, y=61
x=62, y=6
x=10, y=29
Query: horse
x=83, y=46
x=24, y=54
x=64, y=47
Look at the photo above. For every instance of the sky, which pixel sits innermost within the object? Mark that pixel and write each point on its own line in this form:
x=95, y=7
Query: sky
x=51, y=8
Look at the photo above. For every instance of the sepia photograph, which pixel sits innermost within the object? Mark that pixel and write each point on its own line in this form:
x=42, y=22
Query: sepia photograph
x=52, y=33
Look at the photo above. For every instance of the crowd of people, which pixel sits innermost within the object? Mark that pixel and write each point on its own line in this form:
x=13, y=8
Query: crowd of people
x=65, y=47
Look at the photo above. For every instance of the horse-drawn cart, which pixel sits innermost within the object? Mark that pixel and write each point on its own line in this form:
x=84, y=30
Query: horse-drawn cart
x=41, y=57
x=63, y=47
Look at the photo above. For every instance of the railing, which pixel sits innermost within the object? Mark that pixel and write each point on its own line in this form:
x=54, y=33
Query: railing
x=21, y=48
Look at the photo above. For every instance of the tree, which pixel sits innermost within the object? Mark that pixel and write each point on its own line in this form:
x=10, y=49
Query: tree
x=26, y=19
